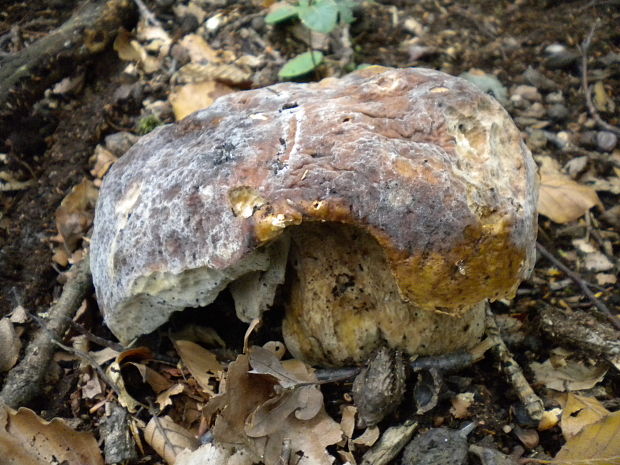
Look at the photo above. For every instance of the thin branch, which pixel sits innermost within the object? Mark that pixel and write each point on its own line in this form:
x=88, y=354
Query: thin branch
x=532, y=403
x=585, y=46
x=24, y=381
x=85, y=357
x=581, y=283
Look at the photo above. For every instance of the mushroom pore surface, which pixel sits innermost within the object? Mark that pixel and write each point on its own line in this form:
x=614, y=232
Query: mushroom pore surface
x=383, y=208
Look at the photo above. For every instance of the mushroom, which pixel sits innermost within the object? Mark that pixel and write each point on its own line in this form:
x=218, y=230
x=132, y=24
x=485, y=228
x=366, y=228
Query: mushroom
x=380, y=209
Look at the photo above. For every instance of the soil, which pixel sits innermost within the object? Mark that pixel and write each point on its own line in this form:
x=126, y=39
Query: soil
x=51, y=144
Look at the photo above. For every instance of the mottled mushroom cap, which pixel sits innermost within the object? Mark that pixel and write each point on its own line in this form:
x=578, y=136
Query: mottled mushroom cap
x=432, y=168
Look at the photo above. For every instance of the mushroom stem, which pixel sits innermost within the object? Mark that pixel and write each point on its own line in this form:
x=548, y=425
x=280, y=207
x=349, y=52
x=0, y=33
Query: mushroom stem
x=343, y=302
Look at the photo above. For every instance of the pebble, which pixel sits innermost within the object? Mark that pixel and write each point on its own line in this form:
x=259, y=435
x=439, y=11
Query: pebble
x=535, y=110
x=528, y=93
x=557, y=112
x=606, y=141
x=119, y=142
x=180, y=54
x=538, y=79
x=537, y=139
x=587, y=139
x=555, y=97
x=576, y=166
x=560, y=56
x=413, y=26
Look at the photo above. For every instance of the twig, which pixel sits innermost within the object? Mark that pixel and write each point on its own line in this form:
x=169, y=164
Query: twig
x=24, y=381
x=147, y=14
x=533, y=404
x=85, y=357
x=585, y=45
x=96, y=339
x=581, y=283
x=447, y=362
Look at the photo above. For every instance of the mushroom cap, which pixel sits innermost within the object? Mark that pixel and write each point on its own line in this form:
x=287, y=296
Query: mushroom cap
x=425, y=163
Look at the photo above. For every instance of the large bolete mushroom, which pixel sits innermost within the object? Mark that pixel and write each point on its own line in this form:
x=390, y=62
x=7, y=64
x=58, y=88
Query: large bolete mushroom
x=382, y=208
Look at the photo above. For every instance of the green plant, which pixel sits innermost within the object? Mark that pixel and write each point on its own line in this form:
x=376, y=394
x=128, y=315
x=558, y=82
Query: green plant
x=317, y=15
x=147, y=123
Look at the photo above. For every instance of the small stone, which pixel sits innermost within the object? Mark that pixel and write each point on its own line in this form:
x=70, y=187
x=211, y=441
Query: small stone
x=576, y=166
x=413, y=26
x=538, y=79
x=528, y=93
x=180, y=54
x=564, y=138
x=537, y=139
x=557, y=112
x=555, y=97
x=119, y=142
x=606, y=141
x=535, y=110
x=437, y=446
x=587, y=139
x=560, y=56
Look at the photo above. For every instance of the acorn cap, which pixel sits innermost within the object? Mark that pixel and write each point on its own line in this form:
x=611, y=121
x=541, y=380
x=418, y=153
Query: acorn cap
x=424, y=163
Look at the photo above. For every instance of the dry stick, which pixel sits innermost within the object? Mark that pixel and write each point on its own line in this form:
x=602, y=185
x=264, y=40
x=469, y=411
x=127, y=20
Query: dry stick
x=584, y=82
x=24, y=381
x=533, y=404
x=581, y=283
x=83, y=356
x=447, y=362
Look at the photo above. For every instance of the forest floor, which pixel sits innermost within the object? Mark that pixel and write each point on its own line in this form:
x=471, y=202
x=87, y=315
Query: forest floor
x=171, y=57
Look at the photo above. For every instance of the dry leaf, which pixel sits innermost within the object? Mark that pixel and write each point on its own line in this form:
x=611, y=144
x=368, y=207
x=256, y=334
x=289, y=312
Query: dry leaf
x=93, y=387
x=131, y=50
x=368, y=437
x=8, y=183
x=579, y=412
x=574, y=376
x=19, y=315
x=311, y=438
x=124, y=398
x=201, y=363
x=461, y=403
x=122, y=46
x=217, y=454
x=252, y=404
x=192, y=97
x=265, y=362
x=75, y=213
x=596, y=444
x=157, y=382
x=104, y=355
x=549, y=419
x=103, y=159
x=304, y=401
x=164, y=398
x=169, y=439
x=10, y=345
x=561, y=199
x=347, y=422
x=27, y=439
x=244, y=392
x=228, y=74
x=198, y=49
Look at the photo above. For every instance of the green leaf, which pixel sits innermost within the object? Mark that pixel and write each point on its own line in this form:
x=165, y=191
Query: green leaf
x=320, y=15
x=281, y=14
x=345, y=8
x=301, y=64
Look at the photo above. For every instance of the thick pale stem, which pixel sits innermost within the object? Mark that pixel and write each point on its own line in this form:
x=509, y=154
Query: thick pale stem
x=343, y=302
